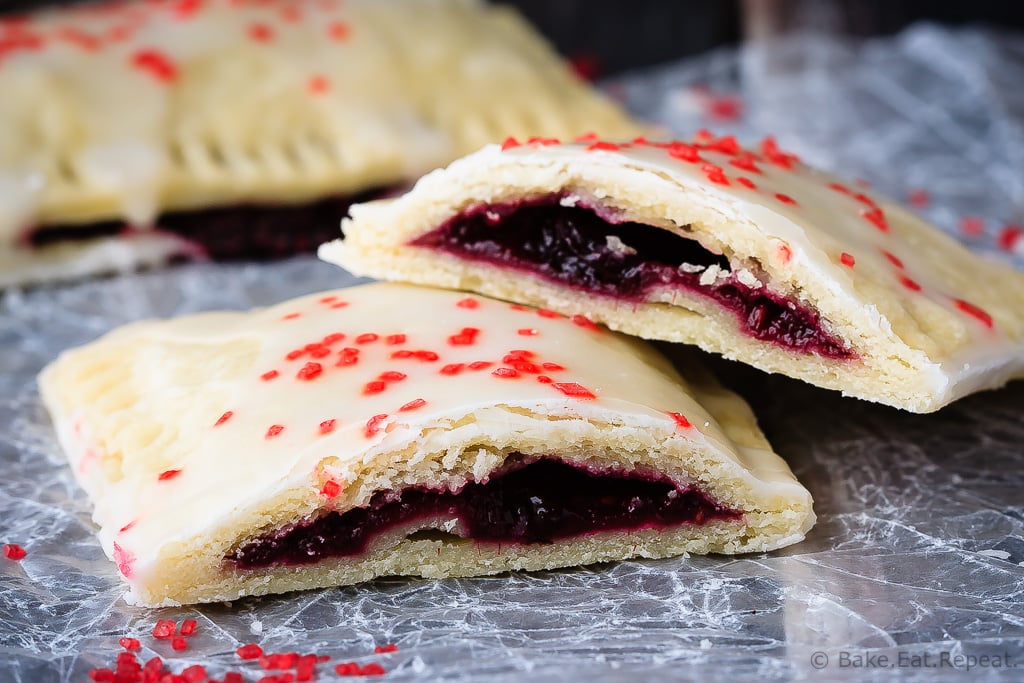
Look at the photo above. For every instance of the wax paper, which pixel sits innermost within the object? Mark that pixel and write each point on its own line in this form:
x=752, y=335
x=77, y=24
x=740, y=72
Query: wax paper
x=915, y=565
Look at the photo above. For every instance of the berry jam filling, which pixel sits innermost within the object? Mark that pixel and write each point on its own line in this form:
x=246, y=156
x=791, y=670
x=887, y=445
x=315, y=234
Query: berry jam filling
x=578, y=247
x=537, y=501
x=244, y=231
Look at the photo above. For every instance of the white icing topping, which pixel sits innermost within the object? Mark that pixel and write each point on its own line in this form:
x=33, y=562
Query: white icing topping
x=271, y=435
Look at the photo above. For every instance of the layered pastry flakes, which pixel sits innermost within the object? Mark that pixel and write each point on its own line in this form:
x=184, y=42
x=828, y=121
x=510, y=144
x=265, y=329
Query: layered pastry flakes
x=394, y=430
x=221, y=126
x=744, y=252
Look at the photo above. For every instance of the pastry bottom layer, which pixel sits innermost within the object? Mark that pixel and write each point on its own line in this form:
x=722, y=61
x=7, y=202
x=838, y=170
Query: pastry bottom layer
x=244, y=231
x=533, y=501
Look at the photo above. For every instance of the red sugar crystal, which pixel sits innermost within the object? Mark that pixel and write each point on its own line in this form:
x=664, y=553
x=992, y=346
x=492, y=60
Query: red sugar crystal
x=375, y=387
x=328, y=426
x=188, y=627
x=785, y=253
x=972, y=225
x=233, y=677
x=290, y=316
x=372, y=669
x=309, y=371
x=543, y=142
x=1009, y=236
x=340, y=304
x=919, y=197
x=129, y=643
x=249, y=651
x=480, y=365
x=527, y=332
x=589, y=136
x=452, y=368
x=604, y=146
x=367, y=338
x=390, y=647
x=972, y=310
x=320, y=351
x=194, y=673
x=13, y=551
x=726, y=144
x=526, y=366
x=839, y=187
x=746, y=163
x=330, y=489
x=332, y=338
x=127, y=526
x=784, y=198
x=544, y=379
x=168, y=474
x=101, y=675
x=164, y=628
x=338, y=30
x=545, y=313
x=224, y=418
x=413, y=405
x=297, y=353
x=428, y=356
x=156, y=64
x=464, y=338
x=392, y=376
x=910, y=284
x=468, y=302
x=574, y=390
x=280, y=660
x=318, y=84
x=518, y=307
x=330, y=298
x=876, y=218
x=269, y=375
x=746, y=182
x=846, y=259
x=178, y=643
x=681, y=420
x=893, y=259
x=866, y=200
x=715, y=174
x=343, y=669
x=552, y=367
x=394, y=339
x=124, y=560
x=509, y=143
x=274, y=430
x=305, y=668
x=683, y=152
x=505, y=372
x=584, y=321
x=373, y=424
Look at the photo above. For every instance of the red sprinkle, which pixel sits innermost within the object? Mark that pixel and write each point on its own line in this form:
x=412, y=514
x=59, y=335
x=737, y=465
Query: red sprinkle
x=877, y=218
x=273, y=431
x=715, y=174
x=468, y=302
x=156, y=63
x=13, y=551
x=102, y=675
x=589, y=136
x=233, y=677
x=381, y=649
x=340, y=304
x=972, y=310
x=373, y=424
x=509, y=143
x=785, y=253
x=168, y=474
x=919, y=197
x=339, y=30
x=328, y=426
x=394, y=339
x=846, y=259
x=224, y=418
x=972, y=225
x=785, y=198
x=250, y=651
x=545, y=313
x=552, y=367
x=127, y=526
x=413, y=405
x=318, y=84
x=163, y=629
x=506, y=373
x=681, y=420
x=188, y=627
x=464, y=338
x=746, y=163
x=261, y=33
x=291, y=316
x=269, y=375
x=1009, y=236
x=124, y=559
x=392, y=376
x=839, y=187
x=178, y=643
x=130, y=643
x=746, y=182
x=544, y=379
x=194, y=673
x=603, y=146
x=309, y=371
x=330, y=489
x=332, y=338
x=452, y=368
x=367, y=338
x=480, y=365
x=909, y=284
x=684, y=152
x=428, y=356
x=527, y=332
x=374, y=387
x=372, y=669
x=893, y=259
x=584, y=321
x=574, y=390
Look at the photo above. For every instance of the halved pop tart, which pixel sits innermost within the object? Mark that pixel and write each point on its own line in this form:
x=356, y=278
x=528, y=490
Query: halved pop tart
x=396, y=430
x=746, y=253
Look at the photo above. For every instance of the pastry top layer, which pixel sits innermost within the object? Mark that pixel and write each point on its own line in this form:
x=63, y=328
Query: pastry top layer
x=175, y=426
x=120, y=110
x=891, y=284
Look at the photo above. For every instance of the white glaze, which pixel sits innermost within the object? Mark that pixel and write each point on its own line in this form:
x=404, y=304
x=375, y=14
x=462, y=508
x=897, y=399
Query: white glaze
x=235, y=466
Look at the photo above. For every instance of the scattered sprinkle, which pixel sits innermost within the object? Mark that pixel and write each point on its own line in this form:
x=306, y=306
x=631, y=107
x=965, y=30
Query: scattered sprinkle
x=224, y=418
x=250, y=651
x=847, y=260
x=309, y=371
x=269, y=375
x=681, y=420
x=910, y=284
x=373, y=424
x=274, y=430
x=972, y=225
x=468, y=302
x=367, y=338
x=972, y=310
x=527, y=332
x=785, y=198
x=330, y=489
x=130, y=644
x=574, y=390
x=413, y=405
x=1009, y=236
x=168, y=474
x=188, y=627
x=328, y=426
x=163, y=629
x=13, y=551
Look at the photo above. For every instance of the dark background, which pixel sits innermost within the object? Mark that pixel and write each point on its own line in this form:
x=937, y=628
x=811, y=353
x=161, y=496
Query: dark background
x=610, y=36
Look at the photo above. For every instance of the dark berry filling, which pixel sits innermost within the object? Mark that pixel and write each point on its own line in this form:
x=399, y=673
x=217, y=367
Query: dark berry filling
x=579, y=247
x=537, y=501
x=243, y=231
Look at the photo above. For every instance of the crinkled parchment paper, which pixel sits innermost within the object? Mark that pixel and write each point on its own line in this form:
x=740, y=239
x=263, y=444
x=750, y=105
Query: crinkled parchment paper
x=917, y=556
